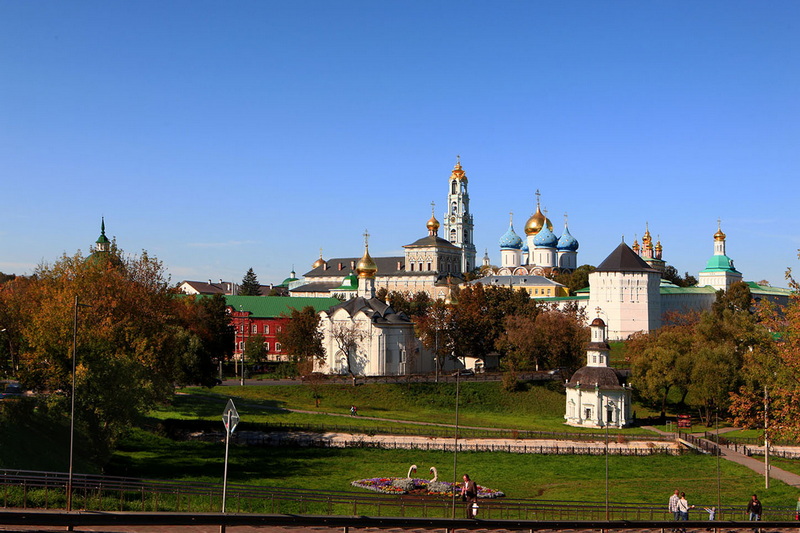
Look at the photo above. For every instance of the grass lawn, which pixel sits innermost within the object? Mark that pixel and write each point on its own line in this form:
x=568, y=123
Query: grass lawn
x=539, y=406
x=541, y=477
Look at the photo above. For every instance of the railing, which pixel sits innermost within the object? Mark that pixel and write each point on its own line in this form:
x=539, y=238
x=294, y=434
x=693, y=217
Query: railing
x=198, y=521
x=267, y=439
x=47, y=490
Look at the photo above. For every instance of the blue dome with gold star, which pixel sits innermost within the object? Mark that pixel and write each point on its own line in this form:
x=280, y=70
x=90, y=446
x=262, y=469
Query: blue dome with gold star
x=567, y=241
x=510, y=240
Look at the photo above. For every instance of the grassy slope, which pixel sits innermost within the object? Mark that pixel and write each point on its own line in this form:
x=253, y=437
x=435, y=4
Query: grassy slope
x=481, y=404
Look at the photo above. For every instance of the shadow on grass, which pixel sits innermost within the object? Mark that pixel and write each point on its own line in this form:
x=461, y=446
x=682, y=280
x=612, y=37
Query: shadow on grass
x=146, y=455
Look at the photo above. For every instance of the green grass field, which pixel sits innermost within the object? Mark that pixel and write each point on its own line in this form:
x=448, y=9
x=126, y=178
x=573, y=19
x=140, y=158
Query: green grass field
x=541, y=477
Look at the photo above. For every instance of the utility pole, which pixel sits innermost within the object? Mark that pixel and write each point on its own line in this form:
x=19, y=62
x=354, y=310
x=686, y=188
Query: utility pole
x=766, y=439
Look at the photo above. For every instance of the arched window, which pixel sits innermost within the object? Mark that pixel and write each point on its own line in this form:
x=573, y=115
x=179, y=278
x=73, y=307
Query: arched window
x=277, y=347
x=454, y=208
x=452, y=235
x=453, y=186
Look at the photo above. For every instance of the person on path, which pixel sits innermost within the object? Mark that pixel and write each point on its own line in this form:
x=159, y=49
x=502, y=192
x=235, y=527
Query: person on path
x=797, y=510
x=754, y=510
x=469, y=494
x=673, y=505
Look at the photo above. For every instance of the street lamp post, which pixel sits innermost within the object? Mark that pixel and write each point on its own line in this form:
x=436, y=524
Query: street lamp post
x=455, y=446
x=609, y=406
x=72, y=400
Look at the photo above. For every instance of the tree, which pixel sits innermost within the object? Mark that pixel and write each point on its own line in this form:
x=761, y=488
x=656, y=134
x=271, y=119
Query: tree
x=255, y=349
x=576, y=280
x=132, y=344
x=348, y=336
x=551, y=337
x=435, y=330
x=207, y=318
x=736, y=298
x=250, y=285
x=301, y=338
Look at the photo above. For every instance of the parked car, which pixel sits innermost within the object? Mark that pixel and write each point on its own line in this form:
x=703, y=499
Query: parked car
x=12, y=390
x=464, y=372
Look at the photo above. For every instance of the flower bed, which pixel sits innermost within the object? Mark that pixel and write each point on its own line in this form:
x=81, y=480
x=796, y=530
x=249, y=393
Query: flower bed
x=401, y=485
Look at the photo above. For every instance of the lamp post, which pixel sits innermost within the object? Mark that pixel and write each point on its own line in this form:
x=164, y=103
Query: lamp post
x=72, y=400
x=455, y=446
x=609, y=407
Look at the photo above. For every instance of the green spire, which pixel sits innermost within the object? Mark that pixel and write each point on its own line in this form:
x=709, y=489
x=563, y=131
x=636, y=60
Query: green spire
x=102, y=239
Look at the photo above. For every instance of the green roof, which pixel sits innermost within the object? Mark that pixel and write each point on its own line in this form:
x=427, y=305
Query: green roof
x=719, y=263
x=275, y=306
x=674, y=289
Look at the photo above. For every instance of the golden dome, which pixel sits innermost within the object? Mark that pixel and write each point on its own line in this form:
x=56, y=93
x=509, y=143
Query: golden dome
x=636, y=245
x=537, y=221
x=458, y=172
x=719, y=236
x=319, y=262
x=658, y=246
x=366, y=267
x=432, y=224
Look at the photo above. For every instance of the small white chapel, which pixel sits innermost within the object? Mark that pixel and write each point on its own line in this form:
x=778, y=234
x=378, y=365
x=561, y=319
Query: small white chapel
x=597, y=395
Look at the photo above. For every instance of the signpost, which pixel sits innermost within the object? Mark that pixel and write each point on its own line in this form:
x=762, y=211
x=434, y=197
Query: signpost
x=230, y=417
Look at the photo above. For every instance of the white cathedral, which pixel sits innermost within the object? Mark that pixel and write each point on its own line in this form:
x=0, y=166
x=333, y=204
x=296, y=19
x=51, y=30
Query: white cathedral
x=542, y=252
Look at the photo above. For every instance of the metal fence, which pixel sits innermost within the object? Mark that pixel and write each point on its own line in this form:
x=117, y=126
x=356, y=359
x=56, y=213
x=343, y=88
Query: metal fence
x=47, y=490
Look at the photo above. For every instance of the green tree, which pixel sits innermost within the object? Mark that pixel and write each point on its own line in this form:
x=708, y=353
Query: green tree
x=575, y=280
x=250, y=285
x=255, y=349
x=736, y=298
x=301, y=338
x=207, y=318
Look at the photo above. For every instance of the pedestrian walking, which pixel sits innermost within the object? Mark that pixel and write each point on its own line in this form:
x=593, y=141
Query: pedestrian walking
x=683, y=509
x=754, y=510
x=469, y=494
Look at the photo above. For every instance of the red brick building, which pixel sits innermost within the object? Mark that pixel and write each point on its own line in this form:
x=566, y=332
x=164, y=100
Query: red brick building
x=266, y=316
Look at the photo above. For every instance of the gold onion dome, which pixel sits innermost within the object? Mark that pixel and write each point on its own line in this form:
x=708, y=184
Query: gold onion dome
x=719, y=236
x=366, y=267
x=432, y=224
x=319, y=262
x=458, y=172
x=537, y=221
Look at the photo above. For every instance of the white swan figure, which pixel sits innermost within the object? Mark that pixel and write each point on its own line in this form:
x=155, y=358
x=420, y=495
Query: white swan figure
x=411, y=470
x=435, y=474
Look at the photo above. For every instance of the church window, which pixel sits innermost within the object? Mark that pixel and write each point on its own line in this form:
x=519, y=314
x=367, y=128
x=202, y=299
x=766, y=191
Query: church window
x=594, y=359
x=610, y=416
x=412, y=266
x=254, y=329
x=587, y=414
x=266, y=346
x=429, y=266
x=454, y=208
x=266, y=329
x=277, y=347
x=453, y=187
x=452, y=235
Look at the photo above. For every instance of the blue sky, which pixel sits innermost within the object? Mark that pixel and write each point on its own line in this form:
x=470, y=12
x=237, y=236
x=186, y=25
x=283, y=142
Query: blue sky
x=220, y=136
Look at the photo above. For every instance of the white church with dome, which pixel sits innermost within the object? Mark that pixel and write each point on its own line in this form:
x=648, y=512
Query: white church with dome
x=542, y=252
